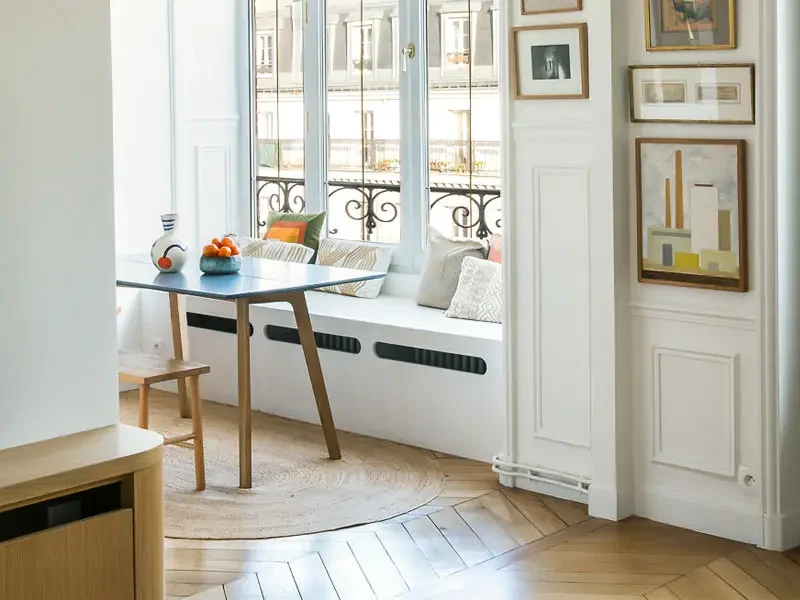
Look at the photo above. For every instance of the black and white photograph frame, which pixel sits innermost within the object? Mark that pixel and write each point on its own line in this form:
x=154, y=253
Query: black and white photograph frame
x=713, y=93
x=550, y=62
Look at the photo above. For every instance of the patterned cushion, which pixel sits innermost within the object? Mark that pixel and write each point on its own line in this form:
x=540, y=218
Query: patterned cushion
x=338, y=253
x=272, y=250
x=440, y=277
x=479, y=296
x=310, y=223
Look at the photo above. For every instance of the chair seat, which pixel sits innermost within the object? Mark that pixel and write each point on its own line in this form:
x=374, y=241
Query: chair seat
x=147, y=369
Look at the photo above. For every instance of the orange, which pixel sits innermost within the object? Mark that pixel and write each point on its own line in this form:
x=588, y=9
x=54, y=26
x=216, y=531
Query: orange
x=225, y=252
x=226, y=241
x=234, y=251
x=211, y=250
x=216, y=242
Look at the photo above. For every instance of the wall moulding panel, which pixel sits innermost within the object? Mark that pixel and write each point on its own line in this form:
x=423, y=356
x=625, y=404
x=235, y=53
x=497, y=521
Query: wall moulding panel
x=562, y=288
x=695, y=395
x=700, y=317
x=698, y=428
x=551, y=407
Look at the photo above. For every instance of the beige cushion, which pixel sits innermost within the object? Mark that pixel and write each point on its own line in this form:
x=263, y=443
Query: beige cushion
x=443, y=266
x=272, y=250
x=479, y=296
x=355, y=255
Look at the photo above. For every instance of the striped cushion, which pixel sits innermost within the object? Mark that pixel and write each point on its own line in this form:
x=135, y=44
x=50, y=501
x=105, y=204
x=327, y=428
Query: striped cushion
x=273, y=250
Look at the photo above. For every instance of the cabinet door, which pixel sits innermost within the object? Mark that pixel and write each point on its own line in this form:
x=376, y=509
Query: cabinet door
x=86, y=560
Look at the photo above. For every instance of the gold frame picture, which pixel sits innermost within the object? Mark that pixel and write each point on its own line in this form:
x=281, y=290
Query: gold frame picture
x=723, y=94
x=702, y=25
x=561, y=6
x=552, y=48
x=691, y=213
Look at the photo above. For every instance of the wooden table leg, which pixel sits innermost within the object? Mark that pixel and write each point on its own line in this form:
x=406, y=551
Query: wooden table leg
x=243, y=351
x=197, y=430
x=144, y=406
x=303, y=320
x=177, y=314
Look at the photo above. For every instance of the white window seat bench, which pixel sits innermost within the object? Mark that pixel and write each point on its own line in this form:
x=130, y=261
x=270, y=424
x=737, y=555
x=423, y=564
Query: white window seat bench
x=448, y=398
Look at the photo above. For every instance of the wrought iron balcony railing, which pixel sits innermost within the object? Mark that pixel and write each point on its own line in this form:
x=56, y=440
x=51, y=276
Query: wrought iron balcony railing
x=472, y=211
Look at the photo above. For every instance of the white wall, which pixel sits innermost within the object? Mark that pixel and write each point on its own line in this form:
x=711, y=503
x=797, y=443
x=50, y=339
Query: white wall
x=140, y=50
x=57, y=360
x=141, y=65
x=696, y=354
x=566, y=223
x=663, y=396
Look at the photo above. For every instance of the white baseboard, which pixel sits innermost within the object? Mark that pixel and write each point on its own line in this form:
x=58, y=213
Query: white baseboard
x=705, y=517
x=610, y=503
x=782, y=532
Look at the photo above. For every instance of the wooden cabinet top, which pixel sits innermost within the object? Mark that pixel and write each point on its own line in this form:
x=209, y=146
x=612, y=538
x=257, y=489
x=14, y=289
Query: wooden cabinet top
x=46, y=468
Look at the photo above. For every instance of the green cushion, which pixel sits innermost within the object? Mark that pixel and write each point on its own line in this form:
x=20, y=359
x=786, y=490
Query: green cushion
x=316, y=221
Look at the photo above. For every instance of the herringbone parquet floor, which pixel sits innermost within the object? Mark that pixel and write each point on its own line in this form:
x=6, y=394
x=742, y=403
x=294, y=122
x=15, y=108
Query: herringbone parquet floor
x=478, y=541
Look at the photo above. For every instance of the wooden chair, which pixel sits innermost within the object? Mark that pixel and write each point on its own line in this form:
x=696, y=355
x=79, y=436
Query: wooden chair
x=144, y=370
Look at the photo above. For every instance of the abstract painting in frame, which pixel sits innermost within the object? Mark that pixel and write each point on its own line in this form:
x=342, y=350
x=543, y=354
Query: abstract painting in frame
x=691, y=213
x=540, y=7
x=690, y=24
x=723, y=94
x=550, y=62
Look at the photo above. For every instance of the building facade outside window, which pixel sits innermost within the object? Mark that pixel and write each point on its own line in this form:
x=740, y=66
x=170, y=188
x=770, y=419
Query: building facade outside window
x=404, y=142
x=265, y=53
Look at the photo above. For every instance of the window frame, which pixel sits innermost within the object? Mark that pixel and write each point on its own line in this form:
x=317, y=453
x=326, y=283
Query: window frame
x=409, y=24
x=269, y=71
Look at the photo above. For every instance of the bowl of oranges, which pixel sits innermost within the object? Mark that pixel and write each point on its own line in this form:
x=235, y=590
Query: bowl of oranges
x=220, y=257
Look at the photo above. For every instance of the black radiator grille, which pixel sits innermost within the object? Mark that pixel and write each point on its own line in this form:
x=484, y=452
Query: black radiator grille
x=431, y=358
x=325, y=341
x=221, y=324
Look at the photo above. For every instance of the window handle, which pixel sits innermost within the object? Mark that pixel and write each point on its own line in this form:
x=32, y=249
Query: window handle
x=406, y=52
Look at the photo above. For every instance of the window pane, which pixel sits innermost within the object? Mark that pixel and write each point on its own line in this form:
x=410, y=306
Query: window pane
x=464, y=118
x=280, y=115
x=363, y=121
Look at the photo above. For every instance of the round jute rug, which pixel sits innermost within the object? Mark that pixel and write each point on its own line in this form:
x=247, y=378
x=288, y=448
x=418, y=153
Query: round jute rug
x=296, y=489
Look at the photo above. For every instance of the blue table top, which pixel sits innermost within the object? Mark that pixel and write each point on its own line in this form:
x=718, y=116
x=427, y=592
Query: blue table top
x=257, y=277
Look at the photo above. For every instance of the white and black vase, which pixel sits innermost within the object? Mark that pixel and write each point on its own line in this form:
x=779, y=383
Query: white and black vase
x=168, y=252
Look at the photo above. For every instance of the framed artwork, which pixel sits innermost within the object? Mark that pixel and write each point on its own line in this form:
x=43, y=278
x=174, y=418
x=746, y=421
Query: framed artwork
x=550, y=62
x=693, y=94
x=691, y=213
x=690, y=24
x=540, y=7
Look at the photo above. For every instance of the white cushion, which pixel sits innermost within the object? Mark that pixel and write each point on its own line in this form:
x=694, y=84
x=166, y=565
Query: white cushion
x=355, y=255
x=479, y=296
x=443, y=266
x=274, y=250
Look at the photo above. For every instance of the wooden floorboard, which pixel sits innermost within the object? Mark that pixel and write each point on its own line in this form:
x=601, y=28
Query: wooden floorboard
x=479, y=541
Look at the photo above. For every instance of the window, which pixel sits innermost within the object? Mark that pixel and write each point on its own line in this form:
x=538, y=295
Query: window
x=457, y=39
x=384, y=143
x=265, y=53
x=361, y=58
x=280, y=120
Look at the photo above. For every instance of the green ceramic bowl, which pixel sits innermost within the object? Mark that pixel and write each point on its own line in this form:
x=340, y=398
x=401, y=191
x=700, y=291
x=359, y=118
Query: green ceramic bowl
x=216, y=265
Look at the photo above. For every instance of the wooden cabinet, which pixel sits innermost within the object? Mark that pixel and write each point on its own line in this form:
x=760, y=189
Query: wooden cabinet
x=106, y=486
x=62, y=564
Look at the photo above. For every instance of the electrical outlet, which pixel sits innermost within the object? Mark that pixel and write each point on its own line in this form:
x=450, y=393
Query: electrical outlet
x=748, y=480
